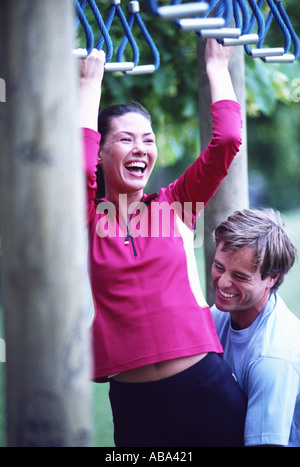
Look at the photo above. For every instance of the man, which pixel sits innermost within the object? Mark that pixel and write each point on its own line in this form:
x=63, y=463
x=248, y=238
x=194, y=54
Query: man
x=260, y=336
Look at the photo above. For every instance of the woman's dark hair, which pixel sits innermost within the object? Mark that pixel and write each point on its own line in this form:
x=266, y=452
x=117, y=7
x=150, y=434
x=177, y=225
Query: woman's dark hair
x=104, y=121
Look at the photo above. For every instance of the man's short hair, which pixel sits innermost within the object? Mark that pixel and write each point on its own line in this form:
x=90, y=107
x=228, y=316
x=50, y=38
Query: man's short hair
x=263, y=230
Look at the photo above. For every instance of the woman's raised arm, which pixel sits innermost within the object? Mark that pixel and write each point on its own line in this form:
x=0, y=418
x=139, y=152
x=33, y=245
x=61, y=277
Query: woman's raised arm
x=217, y=58
x=91, y=75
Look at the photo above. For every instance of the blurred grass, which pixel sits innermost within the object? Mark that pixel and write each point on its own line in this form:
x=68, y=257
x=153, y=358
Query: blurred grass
x=2, y=403
x=289, y=291
x=103, y=425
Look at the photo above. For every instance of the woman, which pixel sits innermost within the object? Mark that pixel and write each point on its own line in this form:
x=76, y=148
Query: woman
x=153, y=334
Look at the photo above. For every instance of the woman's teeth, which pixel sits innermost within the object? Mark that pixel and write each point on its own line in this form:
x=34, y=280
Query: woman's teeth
x=136, y=166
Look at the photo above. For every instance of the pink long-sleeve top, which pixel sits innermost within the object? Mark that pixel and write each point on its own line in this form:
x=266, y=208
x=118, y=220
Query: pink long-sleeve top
x=148, y=301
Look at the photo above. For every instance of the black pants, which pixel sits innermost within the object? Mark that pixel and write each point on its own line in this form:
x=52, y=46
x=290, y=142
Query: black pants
x=201, y=406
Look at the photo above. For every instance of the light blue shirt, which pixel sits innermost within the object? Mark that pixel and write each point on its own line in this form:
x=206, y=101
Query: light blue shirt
x=265, y=357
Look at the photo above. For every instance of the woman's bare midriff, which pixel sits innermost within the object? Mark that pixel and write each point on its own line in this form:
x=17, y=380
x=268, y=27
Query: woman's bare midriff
x=157, y=371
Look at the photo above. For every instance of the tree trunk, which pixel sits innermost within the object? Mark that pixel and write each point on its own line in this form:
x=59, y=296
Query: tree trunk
x=43, y=231
x=233, y=192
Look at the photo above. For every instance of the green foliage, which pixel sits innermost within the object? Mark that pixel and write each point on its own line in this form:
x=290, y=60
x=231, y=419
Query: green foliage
x=172, y=90
x=268, y=84
x=171, y=95
x=273, y=153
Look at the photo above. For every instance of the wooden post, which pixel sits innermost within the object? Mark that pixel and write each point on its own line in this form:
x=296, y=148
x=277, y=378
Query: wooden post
x=233, y=192
x=42, y=220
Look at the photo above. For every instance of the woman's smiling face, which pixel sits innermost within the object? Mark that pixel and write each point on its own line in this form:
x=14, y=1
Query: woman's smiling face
x=128, y=154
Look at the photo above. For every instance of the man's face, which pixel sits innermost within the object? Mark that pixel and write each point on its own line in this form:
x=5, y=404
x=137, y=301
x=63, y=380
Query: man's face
x=237, y=282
